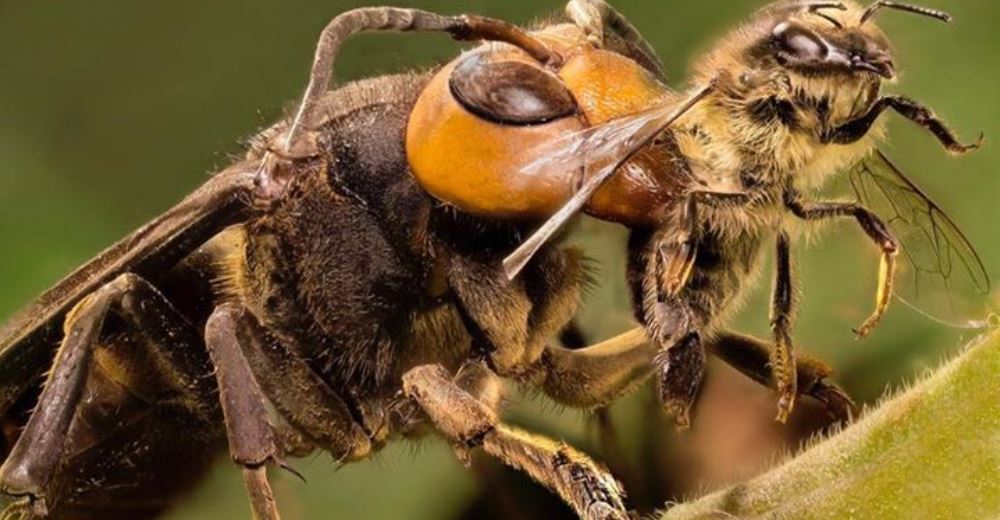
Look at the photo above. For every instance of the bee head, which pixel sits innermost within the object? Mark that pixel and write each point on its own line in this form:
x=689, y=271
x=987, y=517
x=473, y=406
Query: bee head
x=812, y=38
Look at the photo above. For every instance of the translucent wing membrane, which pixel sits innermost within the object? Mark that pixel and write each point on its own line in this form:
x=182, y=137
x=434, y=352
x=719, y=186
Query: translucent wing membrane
x=599, y=151
x=941, y=275
x=598, y=147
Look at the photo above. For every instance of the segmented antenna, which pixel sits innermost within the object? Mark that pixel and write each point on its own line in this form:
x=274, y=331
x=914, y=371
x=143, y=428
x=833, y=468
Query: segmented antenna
x=817, y=9
x=877, y=6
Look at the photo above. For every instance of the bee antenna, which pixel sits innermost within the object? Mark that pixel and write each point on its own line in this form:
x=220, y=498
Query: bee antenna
x=877, y=6
x=817, y=9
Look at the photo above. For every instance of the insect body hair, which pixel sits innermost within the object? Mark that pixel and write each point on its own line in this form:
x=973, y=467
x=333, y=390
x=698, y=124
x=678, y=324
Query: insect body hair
x=772, y=120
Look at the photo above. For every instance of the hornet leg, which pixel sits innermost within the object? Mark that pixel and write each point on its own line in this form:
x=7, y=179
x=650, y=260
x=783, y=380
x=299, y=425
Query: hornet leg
x=599, y=21
x=37, y=454
x=597, y=375
x=301, y=396
x=251, y=441
x=588, y=489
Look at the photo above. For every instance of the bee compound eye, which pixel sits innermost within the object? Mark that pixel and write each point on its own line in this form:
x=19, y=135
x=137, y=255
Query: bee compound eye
x=799, y=43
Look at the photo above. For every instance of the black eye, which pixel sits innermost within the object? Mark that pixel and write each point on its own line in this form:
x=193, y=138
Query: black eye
x=799, y=43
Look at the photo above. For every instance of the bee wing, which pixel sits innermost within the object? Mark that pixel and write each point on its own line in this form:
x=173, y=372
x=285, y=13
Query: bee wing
x=600, y=151
x=941, y=274
x=28, y=340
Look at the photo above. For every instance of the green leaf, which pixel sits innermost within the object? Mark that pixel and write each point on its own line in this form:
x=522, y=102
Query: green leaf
x=933, y=451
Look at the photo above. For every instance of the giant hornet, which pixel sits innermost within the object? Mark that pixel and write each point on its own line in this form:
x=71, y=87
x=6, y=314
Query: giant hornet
x=380, y=260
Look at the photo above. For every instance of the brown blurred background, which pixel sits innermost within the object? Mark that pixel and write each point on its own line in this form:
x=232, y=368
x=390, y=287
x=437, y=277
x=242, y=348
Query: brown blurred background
x=112, y=110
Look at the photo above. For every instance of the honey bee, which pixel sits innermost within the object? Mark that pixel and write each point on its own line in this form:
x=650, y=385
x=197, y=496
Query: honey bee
x=363, y=274
x=779, y=106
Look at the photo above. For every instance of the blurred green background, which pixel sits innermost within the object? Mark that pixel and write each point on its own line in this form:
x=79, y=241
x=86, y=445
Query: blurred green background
x=112, y=110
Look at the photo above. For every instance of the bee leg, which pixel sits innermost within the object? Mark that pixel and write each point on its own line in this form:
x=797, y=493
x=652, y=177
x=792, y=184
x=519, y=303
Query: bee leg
x=463, y=419
x=783, y=354
x=671, y=323
x=599, y=20
x=751, y=357
x=34, y=459
x=879, y=233
x=251, y=440
x=681, y=369
x=678, y=251
x=463, y=28
x=855, y=130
